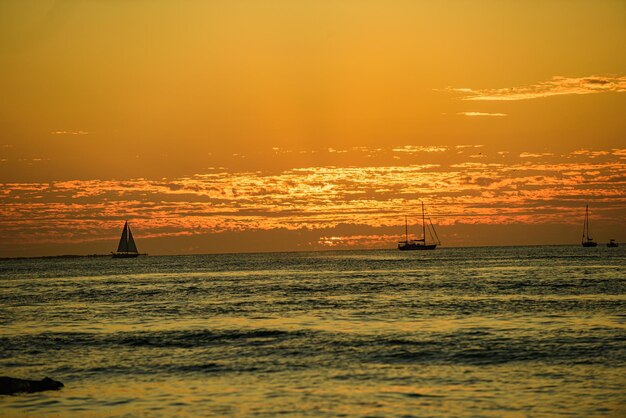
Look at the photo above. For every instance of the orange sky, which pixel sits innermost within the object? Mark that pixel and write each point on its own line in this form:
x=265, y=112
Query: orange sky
x=220, y=126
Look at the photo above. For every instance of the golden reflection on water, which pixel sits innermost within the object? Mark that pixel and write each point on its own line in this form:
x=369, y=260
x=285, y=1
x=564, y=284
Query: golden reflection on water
x=486, y=391
x=349, y=323
x=371, y=341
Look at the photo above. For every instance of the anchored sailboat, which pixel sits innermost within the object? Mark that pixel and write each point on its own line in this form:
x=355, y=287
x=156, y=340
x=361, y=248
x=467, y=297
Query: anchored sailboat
x=419, y=244
x=127, y=247
x=587, y=240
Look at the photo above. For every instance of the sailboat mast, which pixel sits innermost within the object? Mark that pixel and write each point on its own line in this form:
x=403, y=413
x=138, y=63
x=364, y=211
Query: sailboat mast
x=423, y=225
x=588, y=223
x=586, y=233
x=585, y=223
x=406, y=229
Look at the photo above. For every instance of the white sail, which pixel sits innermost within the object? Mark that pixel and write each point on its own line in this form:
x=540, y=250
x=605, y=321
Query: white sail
x=123, y=245
x=131, y=242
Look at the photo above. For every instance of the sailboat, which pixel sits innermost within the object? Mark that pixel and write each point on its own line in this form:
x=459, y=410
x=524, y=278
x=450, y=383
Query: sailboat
x=587, y=240
x=418, y=244
x=127, y=247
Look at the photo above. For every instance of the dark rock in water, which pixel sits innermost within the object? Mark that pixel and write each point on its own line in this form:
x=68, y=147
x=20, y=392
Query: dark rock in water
x=11, y=385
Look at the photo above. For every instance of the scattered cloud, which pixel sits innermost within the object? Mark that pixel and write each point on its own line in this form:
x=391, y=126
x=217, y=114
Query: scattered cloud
x=363, y=241
x=69, y=133
x=590, y=153
x=481, y=114
x=620, y=152
x=557, y=86
x=417, y=148
x=478, y=189
x=535, y=154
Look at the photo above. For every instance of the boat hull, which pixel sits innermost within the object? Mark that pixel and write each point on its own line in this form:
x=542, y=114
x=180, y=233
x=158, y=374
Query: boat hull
x=590, y=244
x=612, y=245
x=416, y=247
x=125, y=255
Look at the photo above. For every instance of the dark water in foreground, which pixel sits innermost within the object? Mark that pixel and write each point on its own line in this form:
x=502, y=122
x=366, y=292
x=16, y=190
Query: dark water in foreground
x=532, y=331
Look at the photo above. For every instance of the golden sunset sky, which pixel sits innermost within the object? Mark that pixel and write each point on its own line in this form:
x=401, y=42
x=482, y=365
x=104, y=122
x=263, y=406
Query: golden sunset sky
x=267, y=125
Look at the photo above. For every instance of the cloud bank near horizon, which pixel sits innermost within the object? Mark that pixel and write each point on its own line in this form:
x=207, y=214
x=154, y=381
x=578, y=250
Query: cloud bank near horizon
x=529, y=188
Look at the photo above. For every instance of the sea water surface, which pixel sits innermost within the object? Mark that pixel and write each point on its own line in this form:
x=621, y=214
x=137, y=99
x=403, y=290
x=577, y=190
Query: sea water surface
x=468, y=332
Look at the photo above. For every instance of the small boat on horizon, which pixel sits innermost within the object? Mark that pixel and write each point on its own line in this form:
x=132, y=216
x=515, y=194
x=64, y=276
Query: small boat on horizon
x=587, y=241
x=127, y=247
x=612, y=244
x=419, y=244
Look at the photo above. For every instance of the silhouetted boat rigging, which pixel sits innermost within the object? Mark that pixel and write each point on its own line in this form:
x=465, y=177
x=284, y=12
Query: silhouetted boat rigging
x=587, y=240
x=419, y=244
x=127, y=247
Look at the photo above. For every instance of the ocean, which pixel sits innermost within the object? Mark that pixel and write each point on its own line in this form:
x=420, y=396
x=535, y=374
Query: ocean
x=456, y=332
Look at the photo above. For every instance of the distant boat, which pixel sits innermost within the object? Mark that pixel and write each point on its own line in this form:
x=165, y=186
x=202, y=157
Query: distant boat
x=127, y=247
x=418, y=244
x=612, y=243
x=587, y=240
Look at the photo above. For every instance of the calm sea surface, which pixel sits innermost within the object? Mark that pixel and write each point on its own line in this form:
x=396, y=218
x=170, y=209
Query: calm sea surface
x=517, y=331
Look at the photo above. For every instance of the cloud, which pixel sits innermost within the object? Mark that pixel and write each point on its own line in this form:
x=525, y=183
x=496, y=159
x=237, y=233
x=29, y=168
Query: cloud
x=557, y=86
x=535, y=154
x=363, y=241
x=69, y=133
x=315, y=198
x=589, y=153
x=620, y=152
x=481, y=114
x=413, y=149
